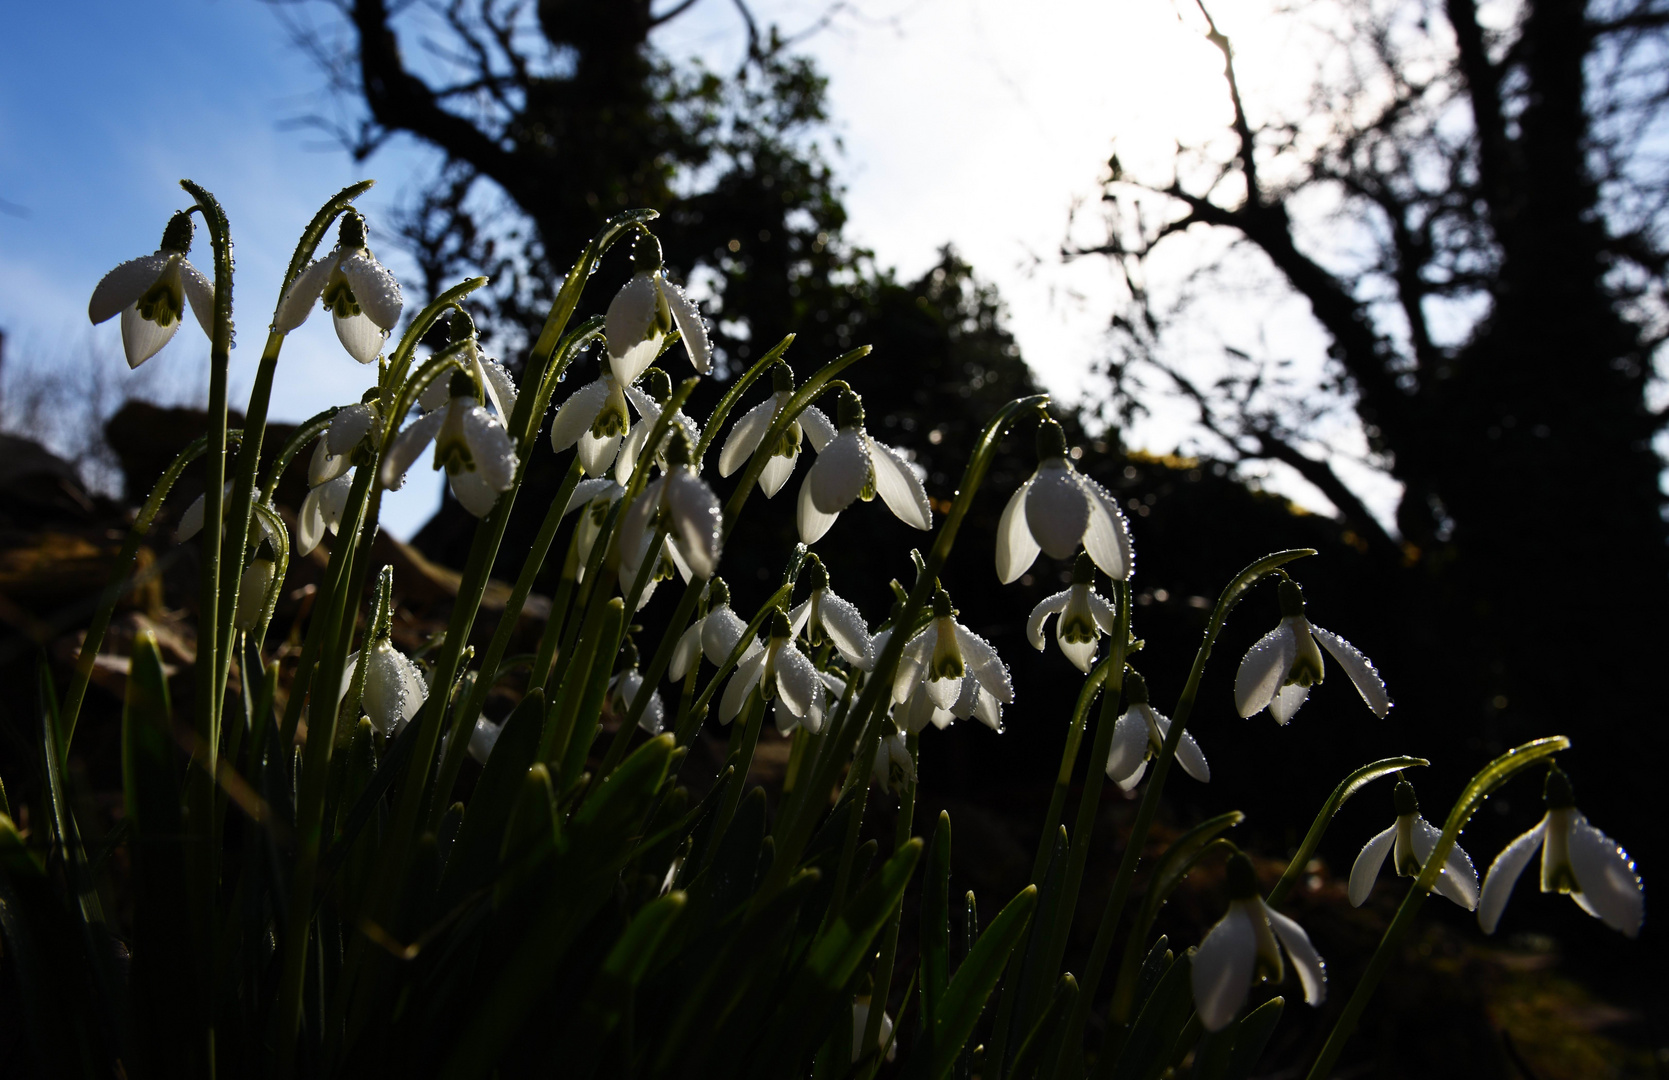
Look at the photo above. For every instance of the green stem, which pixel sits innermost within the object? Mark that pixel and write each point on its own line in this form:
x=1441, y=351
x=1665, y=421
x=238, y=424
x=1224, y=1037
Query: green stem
x=902, y=825
x=1481, y=787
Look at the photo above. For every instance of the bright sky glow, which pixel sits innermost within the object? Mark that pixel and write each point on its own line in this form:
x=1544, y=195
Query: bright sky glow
x=976, y=122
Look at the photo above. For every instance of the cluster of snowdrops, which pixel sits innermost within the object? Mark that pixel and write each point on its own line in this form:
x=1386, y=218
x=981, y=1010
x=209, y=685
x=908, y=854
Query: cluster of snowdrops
x=855, y=695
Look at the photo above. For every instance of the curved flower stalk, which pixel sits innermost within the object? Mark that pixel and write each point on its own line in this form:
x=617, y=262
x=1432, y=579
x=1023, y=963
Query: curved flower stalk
x=394, y=686
x=894, y=768
x=626, y=684
x=363, y=298
x=748, y=432
x=781, y=672
x=1577, y=860
x=354, y=435
x=644, y=311
x=1278, y=671
x=1083, y=612
x=470, y=444
x=824, y=616
x=1139, y=735
x=942, y=658
x=1245, y=947
x=1412, y=838
x=852, y=465
x=714, y=635
x=1058, y=509
x=649, y=404
x=150, y=294
x=490, y=375
x=682, y=502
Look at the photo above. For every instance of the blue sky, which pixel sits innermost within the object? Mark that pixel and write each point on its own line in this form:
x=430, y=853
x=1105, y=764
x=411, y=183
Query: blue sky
x=105, y=105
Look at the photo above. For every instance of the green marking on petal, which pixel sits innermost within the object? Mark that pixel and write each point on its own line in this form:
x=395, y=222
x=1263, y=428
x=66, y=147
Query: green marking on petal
x=164, y=302
x=338, y=297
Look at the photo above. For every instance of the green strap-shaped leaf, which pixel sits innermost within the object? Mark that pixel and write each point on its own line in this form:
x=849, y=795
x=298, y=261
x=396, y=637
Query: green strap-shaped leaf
x=474, y=854
x=1046, y=1031
x=1232, y=1054
x=935, y=922
x=936, y=1053
x=1148, y=1042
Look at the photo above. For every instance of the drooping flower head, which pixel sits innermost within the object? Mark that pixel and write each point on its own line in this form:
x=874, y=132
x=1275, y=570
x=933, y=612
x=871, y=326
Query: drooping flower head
x=682, y=502
x=649, y=402
x=254, y=585
x=1057, y=510
x=714, y=635
x=852, y=465
x=351, y=441
x=644, y=311
x=362, y=297
x=1139, y=735
x=1577, y=860
x=150, y=294
x=490, y=375
x=470, y=444
x=1411, y=838
x=1083, y=612
x=824, y=616
x=626, y=684
x=748, y=432
x=394, y=686
x=782, y=673
x=943, y=659
x=1279, y=670
x=894, y=769
x=1245, y=948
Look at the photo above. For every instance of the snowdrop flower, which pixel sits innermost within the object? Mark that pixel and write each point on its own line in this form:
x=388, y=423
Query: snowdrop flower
x=942, y=657
x=596, y=497
x=150, y=294
x=825, y=616
x=470, y=444
x=893, y=767
x=1242, y=949
x=191, y=522
x=254, y=585
x=684, y=503
x=490, y=375
x=644, y=311
x=394, y=687
x=594, y=418
x=1083, y=616
x=779, y=669
x=714, y=635
x=482, y=738
x=851, y=466
x=352, y=439
x=1577, y=859
x=648, y=404
x=1413, y=838
x=1140, y=734
x=860, y=1021
x=748, y=432
x=1279, y=670
x=624, y=687
x=1058, y=509
x=362, y=297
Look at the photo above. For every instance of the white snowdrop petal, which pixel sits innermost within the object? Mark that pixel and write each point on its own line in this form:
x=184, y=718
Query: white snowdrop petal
x=416, y=690
x=360, y=336
x=944, y=692
x=1458, y=881
x=1287, y=702
x=989, y=711
x=191, y=522
x=912, y=661
x=812, y=522
x=587, y=491
x=303, y=293
x=983, y=662
x=720, y=632
x=1360, y=669
x=199, y=293
x=687, y=317
x=1312, y=973
x=841, y=471
x=845, y=627
x=776, y=473
x=1365, y=871
x=1263, y=669
x=1081, y=654
x=350, y=424
x=407, y=445
x=899, y=486
x=797, y=680
x=490, y=447
x=1222, y=969
x=745, y=435
x=1107, y=540
x=1504, y=873
x=1105, y=616
x=500, y=387
x=745, y=678
x=685, y=652
x=1057, y=509
x=473, y=491
x=483, y=738
x=1191, y=757
x=1016, y=548
x=142, y=338
x=914, y=714
x=1049, y=605
x=1128, y=751
x=1610, y=888
x=123, y=286
x=819, y=429
x=310, y=523
x=375, y=289
x=575, y=416
x=697, y=521
x=595, y=454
